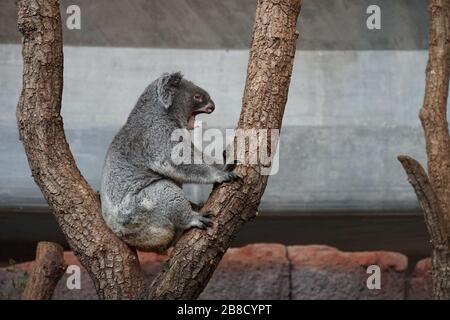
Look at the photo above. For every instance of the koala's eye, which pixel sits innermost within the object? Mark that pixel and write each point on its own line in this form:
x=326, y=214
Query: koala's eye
x=198, y=97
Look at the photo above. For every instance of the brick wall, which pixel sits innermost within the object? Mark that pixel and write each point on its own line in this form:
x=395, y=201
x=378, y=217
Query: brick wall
x=273, y=271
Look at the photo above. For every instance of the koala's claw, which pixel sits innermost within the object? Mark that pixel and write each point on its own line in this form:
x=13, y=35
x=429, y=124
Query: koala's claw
x=230, y=176
x=202, y=220
x=225, y=157
x=235, y=176
x=230, y=167
x=206, y=219
x=207, y=215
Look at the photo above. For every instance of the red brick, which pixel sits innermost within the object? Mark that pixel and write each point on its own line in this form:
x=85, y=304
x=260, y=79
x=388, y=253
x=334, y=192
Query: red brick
x=419, y=283
x=257, y=271
x=322, y=272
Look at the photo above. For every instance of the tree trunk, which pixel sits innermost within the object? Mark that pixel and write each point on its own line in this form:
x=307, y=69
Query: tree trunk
x=113, y=266
x=433, y=193
x=48, y=268
x=197, y=253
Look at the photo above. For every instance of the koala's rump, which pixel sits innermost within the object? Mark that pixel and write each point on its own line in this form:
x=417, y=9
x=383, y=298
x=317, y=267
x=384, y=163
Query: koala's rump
x=145, y=219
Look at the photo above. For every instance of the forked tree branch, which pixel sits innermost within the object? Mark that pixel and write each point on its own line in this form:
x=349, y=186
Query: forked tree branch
x=112, y=265
x=48, y=268
x=433, y=193
x=435, y=221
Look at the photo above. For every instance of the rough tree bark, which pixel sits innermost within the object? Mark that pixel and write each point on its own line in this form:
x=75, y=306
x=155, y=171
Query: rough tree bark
x=272, y=51
x=48, y=268
x=112, y=265
x=433, y=192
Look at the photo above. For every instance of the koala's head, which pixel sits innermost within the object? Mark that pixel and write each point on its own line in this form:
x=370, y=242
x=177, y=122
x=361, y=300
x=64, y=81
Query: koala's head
x=183, y=99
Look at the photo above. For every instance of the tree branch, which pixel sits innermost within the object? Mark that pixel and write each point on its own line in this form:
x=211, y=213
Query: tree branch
x=434, y=193
x=436, y=225
x=48, y=268
x=434, y=216
x=197, y=253
x=433, y=114
x=113, y=266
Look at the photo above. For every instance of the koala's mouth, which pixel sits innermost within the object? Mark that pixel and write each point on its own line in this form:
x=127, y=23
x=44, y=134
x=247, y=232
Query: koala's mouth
x=209, y=108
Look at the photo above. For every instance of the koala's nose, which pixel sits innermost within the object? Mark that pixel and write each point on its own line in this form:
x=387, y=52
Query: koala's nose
x=210, y=107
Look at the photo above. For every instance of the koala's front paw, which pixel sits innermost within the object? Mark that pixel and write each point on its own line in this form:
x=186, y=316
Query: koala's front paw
x=228, y=176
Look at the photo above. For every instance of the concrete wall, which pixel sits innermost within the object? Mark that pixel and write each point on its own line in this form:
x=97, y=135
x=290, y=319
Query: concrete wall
x=227, y=24
x=349, y=114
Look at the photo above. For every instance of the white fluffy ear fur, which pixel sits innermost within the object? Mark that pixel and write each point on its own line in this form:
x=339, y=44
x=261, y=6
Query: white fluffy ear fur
x=167, y=85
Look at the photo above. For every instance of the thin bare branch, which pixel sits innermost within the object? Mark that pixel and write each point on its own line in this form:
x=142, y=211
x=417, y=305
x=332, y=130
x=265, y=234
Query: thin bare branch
x=434, y=216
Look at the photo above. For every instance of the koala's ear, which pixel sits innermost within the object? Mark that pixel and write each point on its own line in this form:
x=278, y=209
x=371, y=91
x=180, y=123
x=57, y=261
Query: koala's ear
x=175, y=79
x=167, y=84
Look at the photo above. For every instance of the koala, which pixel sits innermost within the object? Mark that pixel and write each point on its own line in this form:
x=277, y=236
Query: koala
x=141, y=188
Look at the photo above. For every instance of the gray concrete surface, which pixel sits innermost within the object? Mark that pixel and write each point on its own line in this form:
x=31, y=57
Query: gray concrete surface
x=349, y=114
x=220, y=24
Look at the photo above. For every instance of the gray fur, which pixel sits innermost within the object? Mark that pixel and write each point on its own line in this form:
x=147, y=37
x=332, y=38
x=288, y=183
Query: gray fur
x=142, y=199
